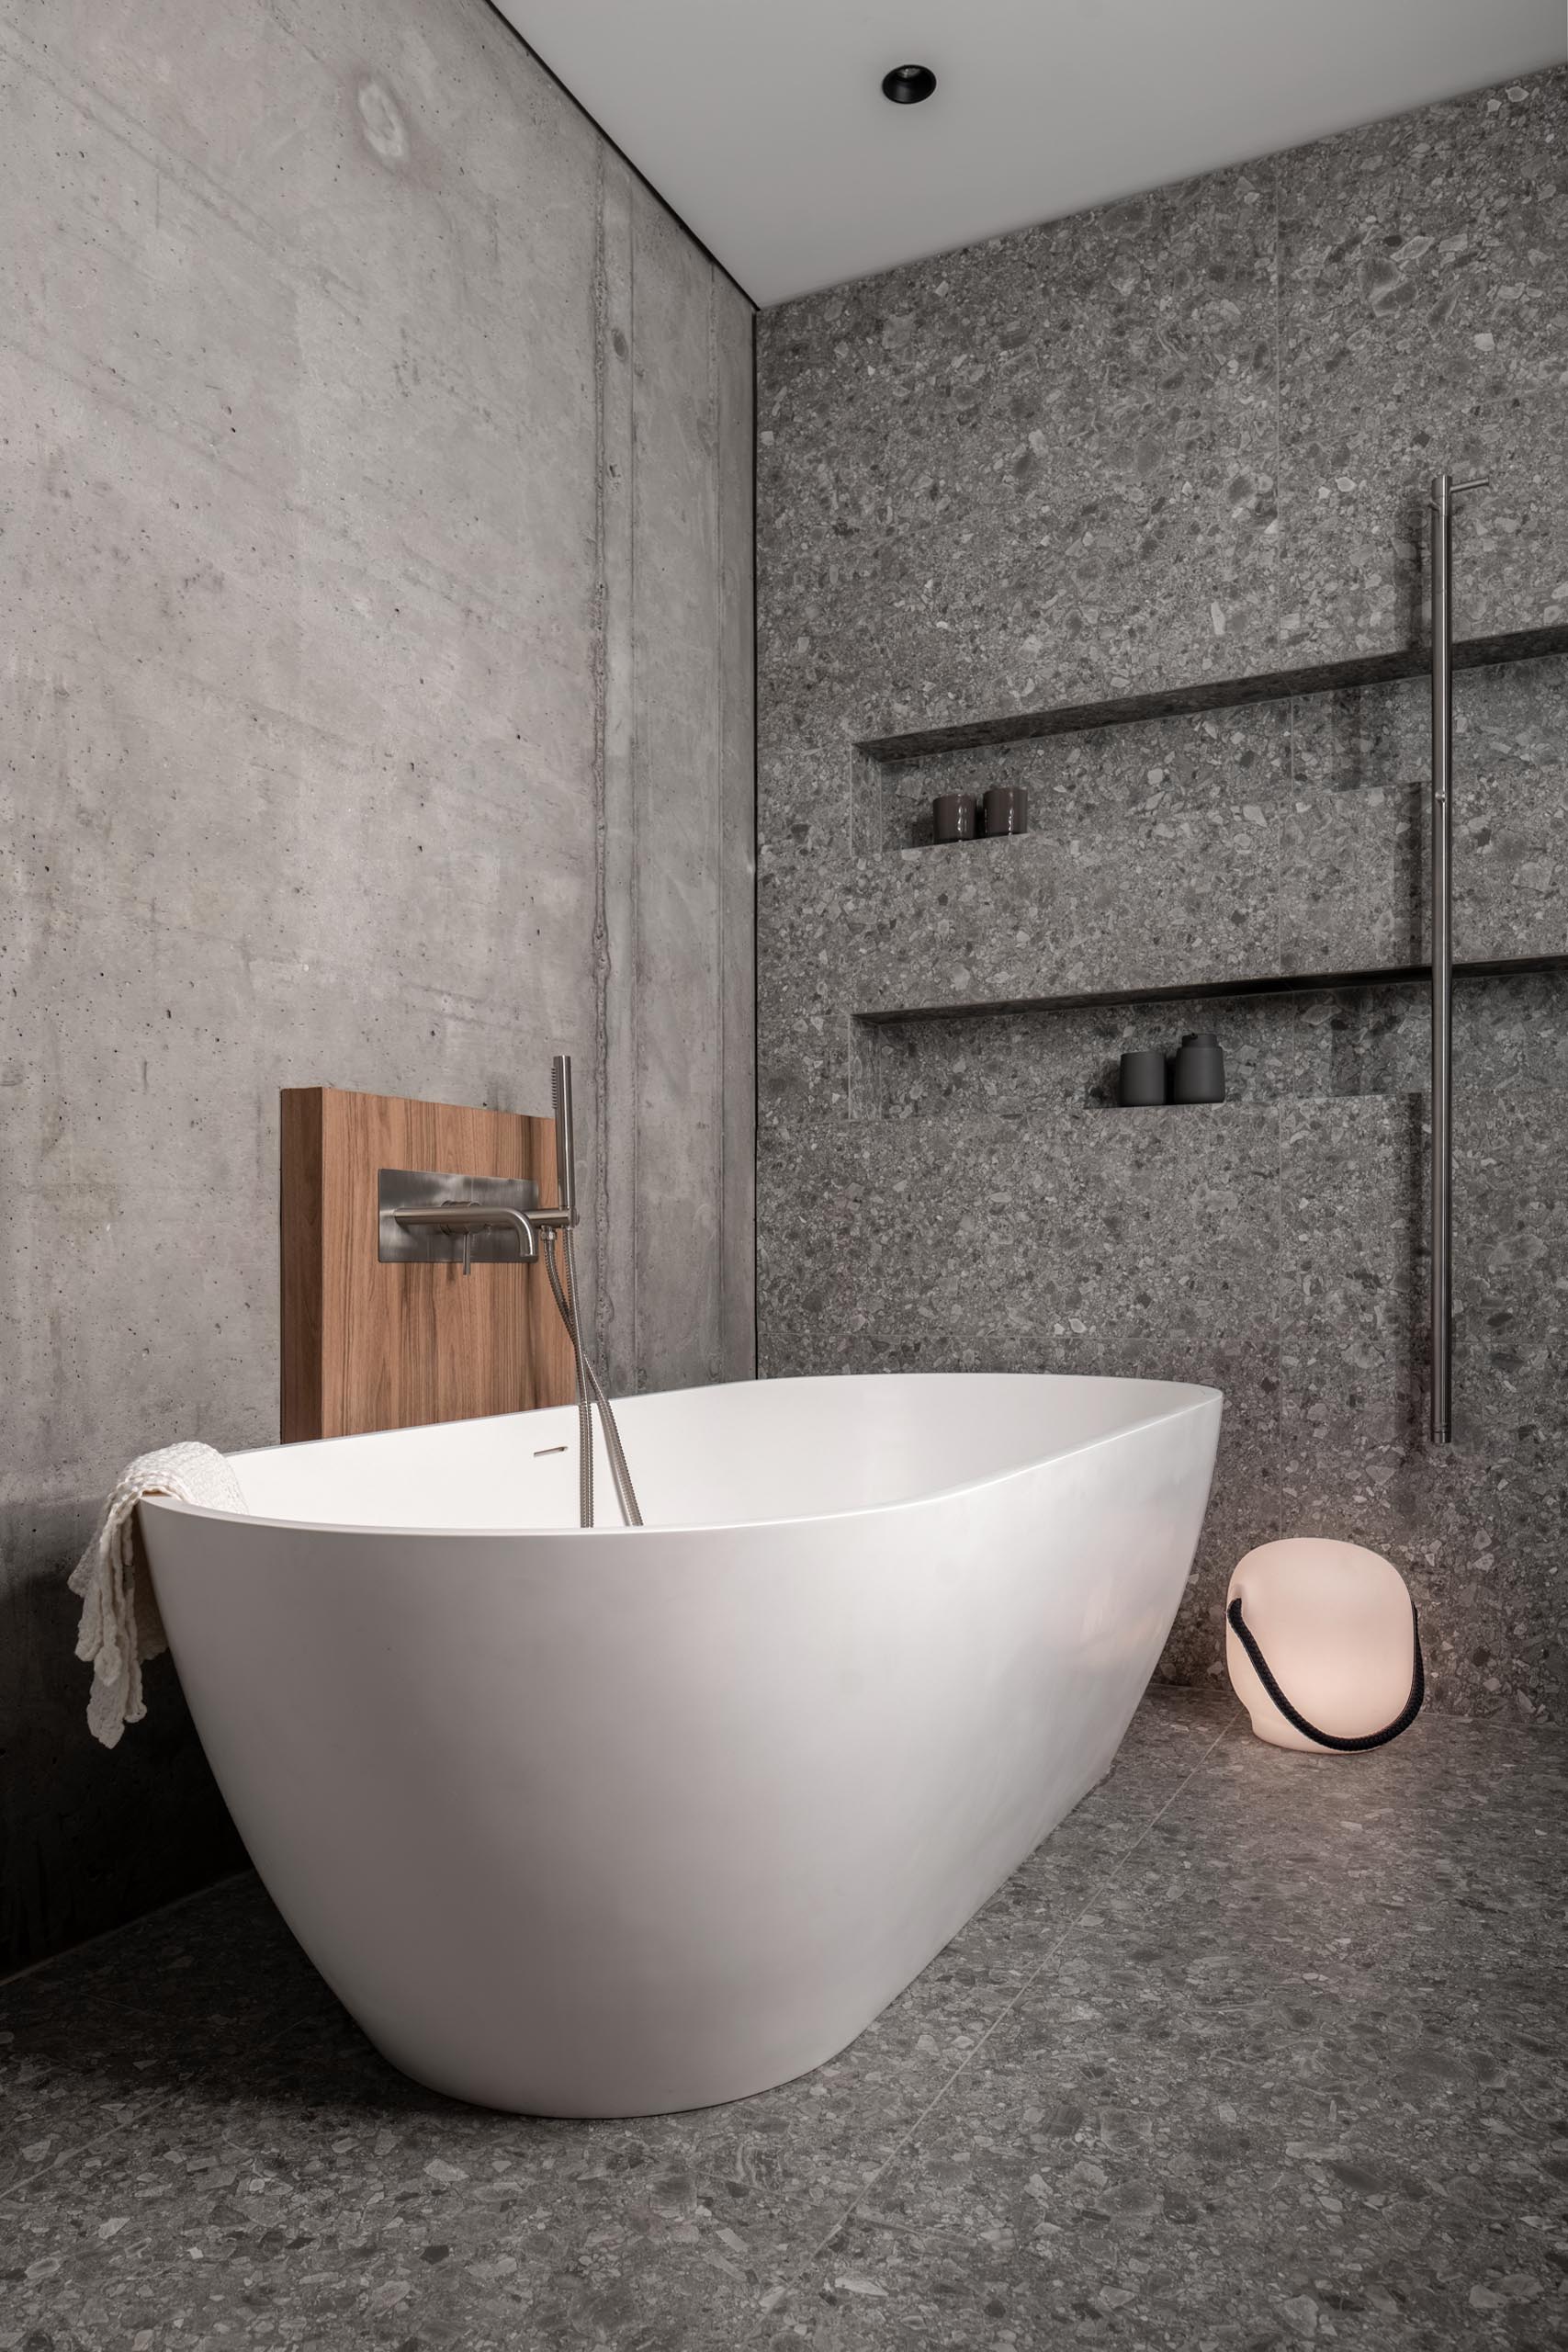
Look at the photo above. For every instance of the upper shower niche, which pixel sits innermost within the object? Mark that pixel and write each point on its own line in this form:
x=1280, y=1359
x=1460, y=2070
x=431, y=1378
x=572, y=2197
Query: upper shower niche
x=1269, y=844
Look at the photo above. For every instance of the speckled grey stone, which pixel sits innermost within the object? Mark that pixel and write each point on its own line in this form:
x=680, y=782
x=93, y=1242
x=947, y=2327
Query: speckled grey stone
x=1355, y=884
x=1257, y=2049
x=1285, y=838
x=1509, y=1033
x=964, y=516
x=809, y=909
x=1008, y=919
x=942, y=525
x=1421, y=268
x=1321, y=2106
x=1156, y=769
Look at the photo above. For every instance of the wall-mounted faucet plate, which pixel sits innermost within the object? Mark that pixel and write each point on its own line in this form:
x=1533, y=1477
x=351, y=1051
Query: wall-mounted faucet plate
x=407, y=1188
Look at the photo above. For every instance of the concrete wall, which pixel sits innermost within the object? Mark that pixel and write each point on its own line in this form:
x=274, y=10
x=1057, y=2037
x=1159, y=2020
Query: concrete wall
x=374, y=587
x=1188, y=438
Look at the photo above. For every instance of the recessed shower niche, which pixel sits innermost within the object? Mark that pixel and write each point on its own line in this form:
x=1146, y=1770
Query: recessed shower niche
x=1238, y=846
x=1280, y=1044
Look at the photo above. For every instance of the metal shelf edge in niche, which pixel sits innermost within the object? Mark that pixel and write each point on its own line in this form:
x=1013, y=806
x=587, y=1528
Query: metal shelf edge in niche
x=1217, y=693
x=1180, y=991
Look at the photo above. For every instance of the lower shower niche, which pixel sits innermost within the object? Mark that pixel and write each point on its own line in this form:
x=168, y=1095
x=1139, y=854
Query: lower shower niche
x=1280, y=1044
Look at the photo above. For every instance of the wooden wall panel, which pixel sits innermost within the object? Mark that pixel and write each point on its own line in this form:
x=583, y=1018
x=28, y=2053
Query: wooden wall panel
x=367, y=1346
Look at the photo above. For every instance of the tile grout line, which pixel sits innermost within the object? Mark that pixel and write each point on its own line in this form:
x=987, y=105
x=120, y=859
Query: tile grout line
x=1030, y=1981
x=920, y=2231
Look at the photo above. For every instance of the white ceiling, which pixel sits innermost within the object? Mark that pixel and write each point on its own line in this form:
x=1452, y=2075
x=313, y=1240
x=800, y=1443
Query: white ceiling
x=764, y=125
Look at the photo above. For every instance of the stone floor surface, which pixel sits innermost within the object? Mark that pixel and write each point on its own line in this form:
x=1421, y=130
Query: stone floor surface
x=1257, y=2052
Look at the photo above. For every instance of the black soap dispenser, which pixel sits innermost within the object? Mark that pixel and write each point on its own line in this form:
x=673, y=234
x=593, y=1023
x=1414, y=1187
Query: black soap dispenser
x=1199, y=1072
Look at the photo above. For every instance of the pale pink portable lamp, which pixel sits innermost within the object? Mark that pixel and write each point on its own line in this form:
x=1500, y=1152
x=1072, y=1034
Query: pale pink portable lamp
x=1322, y=1646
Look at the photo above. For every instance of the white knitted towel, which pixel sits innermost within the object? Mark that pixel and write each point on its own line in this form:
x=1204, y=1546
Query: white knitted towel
x=120, y=1624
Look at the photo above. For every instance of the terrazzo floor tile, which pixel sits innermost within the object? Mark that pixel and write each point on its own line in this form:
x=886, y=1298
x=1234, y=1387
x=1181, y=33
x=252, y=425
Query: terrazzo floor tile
x=1298, y=2076
x=1255, y=2050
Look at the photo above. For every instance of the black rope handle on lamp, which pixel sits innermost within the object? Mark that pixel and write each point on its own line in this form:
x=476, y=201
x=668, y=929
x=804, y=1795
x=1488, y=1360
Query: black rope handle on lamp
x=1402, y=1722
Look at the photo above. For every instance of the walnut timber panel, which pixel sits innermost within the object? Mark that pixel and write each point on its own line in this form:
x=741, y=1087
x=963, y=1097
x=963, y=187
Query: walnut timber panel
x=367, y=1346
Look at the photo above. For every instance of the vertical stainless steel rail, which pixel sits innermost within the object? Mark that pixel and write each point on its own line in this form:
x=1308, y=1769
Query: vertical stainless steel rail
x=1445, y=489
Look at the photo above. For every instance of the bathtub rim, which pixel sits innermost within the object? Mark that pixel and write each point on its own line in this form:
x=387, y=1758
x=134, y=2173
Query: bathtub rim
x=1194, y=1395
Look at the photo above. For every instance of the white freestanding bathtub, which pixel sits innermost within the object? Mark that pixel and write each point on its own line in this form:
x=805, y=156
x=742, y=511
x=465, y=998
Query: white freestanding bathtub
x=614, y=1822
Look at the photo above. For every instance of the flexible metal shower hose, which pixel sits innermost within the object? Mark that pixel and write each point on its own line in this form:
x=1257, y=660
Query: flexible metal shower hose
x=589, y=1392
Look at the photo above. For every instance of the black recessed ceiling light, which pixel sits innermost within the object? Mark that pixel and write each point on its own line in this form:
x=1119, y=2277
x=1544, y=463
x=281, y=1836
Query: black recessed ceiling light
x=907, y=84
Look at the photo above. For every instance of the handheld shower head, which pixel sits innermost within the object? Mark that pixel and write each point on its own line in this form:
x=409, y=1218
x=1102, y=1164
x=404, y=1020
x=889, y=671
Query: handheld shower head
x=566, y=1140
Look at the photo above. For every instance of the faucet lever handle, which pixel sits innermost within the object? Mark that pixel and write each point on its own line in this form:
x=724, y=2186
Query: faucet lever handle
x=566, y=1141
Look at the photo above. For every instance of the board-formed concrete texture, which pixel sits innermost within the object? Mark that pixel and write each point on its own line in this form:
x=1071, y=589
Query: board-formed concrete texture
x=375, y=581
x=1184, y=440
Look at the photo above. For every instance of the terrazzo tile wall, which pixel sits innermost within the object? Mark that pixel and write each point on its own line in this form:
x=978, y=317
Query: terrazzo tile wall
x=1187, y=439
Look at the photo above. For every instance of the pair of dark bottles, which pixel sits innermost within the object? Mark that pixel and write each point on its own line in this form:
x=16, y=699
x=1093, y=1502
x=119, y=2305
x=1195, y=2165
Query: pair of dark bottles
x=960, y=817
x=1197, y=1074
